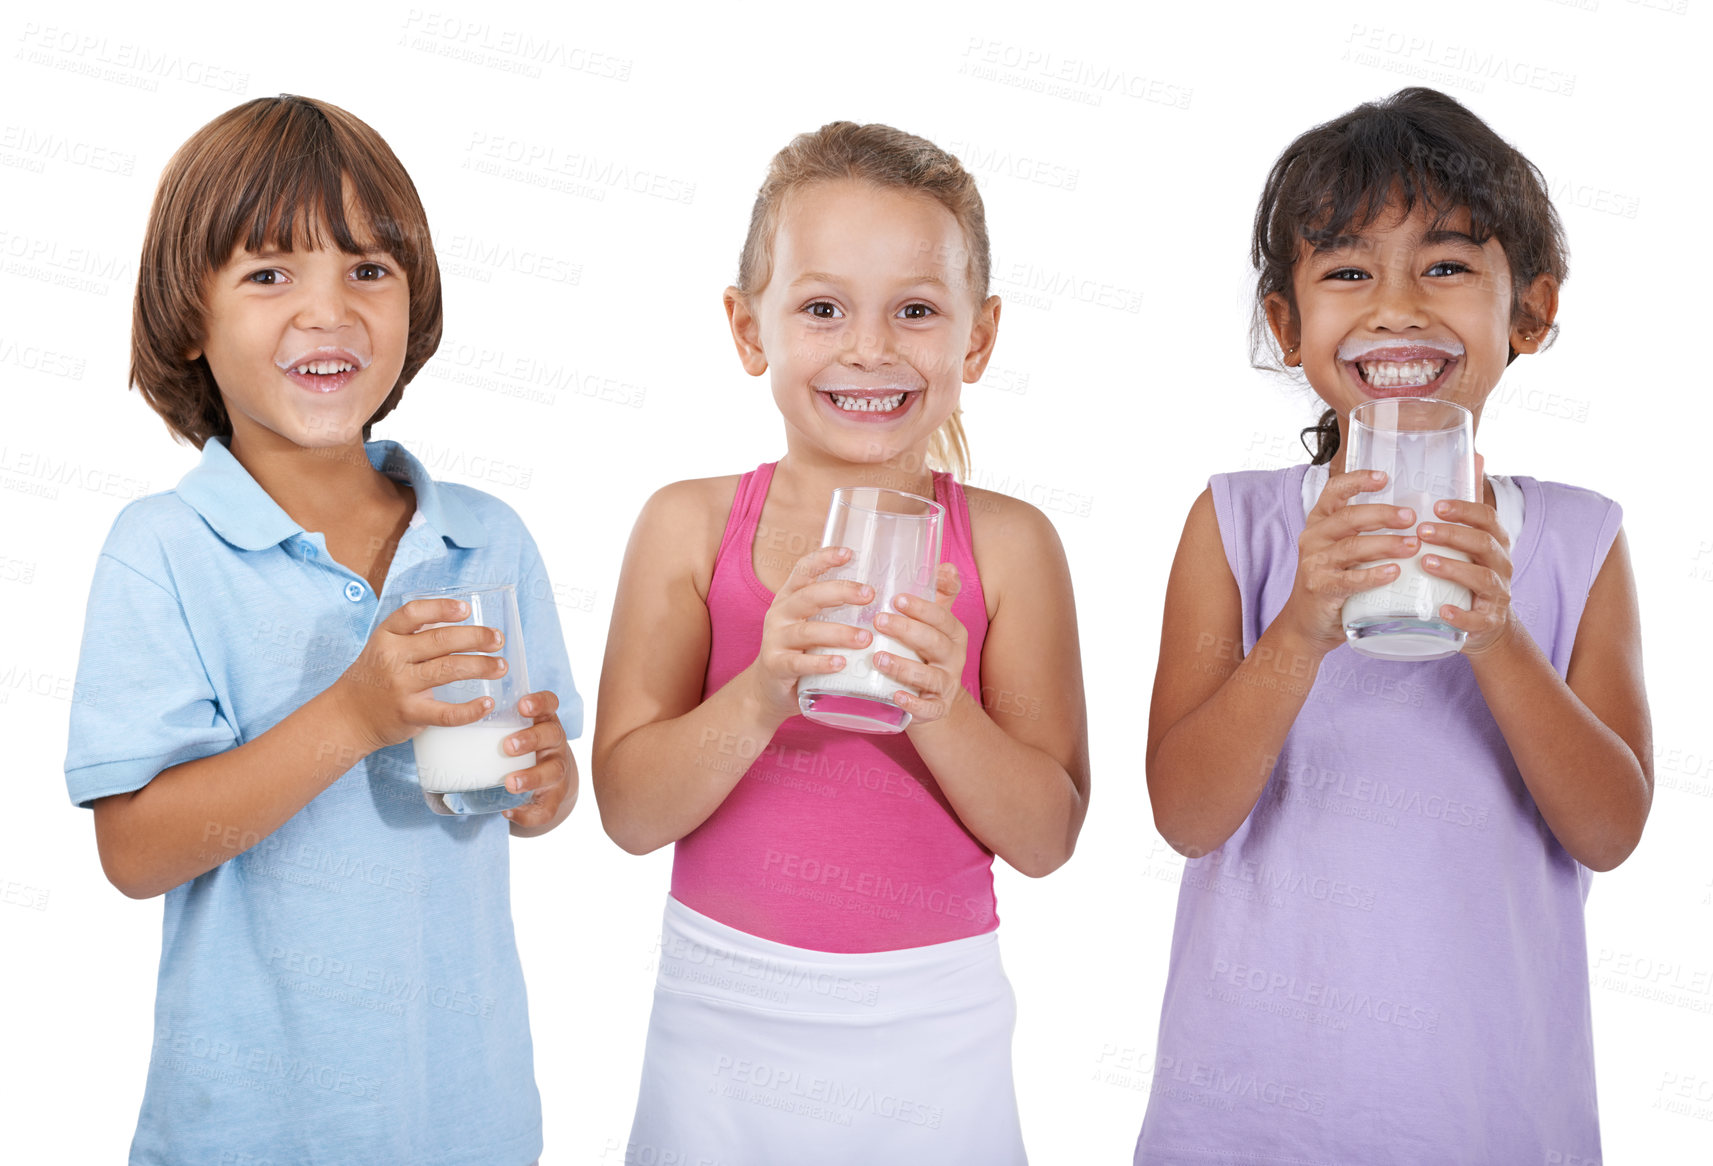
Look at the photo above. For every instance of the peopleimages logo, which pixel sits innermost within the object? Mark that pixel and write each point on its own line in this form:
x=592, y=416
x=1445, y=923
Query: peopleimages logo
x=880, y=888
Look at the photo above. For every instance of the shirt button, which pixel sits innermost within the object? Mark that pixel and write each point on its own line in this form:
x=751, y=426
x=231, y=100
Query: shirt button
x=354, y=591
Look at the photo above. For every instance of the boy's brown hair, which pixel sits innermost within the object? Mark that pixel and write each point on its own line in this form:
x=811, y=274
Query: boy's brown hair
x=252, y=178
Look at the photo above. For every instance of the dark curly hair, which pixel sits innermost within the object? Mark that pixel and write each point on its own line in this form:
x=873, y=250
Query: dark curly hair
x=1416, y=146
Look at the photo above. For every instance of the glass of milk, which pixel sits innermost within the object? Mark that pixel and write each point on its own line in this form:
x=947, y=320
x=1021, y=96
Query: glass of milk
x=462, y=769
x=1427, y=449
x=894, y=539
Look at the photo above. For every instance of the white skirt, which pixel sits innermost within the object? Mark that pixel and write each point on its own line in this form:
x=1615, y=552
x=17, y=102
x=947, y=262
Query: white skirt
x=763, y=1054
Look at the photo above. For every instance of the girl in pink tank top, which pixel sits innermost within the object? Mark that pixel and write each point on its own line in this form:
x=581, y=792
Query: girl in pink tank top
x=830, y=988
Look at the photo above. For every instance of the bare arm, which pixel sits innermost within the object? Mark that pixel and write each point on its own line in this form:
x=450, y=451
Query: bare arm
x=664, y=758
x=1219, y=717
x=1014, y=768
x=1583, y=743
x=194, y=816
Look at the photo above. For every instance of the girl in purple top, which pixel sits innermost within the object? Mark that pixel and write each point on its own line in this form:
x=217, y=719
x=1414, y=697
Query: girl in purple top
x=1379, y=953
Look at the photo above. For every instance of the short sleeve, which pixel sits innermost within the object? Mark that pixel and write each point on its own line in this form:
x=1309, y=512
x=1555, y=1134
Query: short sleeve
x=544, y=641
x=143, y=701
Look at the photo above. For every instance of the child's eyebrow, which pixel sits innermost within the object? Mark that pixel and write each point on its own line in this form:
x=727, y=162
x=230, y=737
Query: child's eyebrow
x=1341, y=243
x=1436, y=238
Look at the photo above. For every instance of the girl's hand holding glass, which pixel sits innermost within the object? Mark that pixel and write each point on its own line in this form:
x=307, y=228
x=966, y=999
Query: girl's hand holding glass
x=938, y=637
x=1332, y=549
x=788, y=632
x=1473, y=528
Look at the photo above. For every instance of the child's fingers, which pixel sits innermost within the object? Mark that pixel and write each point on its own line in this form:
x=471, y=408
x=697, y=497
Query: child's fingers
x=928, y=640
x=1477, y=544
x=1366, y=548
x=947, y=584
x=542, y=775
x=1364, y=518
x=456, y=638
x=539, y=810
x=801, y=635
x=1476, y=515
x=1483, y=582
x=937, y=615
x=420, y=613
x=457, y=666
x=922, y=677
x=446, y=714
x=816, y=597
x=1341, y=488
x=544, y=734
x=1344, y=584
x=922, y=709
x=811, y=566
x=539, y=705
x=796, y=664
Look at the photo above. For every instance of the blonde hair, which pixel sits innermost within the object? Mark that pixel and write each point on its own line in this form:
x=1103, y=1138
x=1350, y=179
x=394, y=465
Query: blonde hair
x=894, y=160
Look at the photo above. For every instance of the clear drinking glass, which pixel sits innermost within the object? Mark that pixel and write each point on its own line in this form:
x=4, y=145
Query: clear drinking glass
x=894, y=539
x=461, y=769
x=1427, y=449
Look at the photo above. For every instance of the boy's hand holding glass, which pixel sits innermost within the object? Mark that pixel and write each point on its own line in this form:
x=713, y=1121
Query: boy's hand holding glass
x=552, y=779
x=387, y=692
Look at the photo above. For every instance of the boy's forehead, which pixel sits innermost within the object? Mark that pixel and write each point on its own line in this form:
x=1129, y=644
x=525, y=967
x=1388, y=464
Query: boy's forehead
x=304, y=219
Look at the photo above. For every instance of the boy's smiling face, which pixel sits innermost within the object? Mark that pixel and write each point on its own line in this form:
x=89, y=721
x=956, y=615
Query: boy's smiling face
x=304, y=344
x=1409, y=305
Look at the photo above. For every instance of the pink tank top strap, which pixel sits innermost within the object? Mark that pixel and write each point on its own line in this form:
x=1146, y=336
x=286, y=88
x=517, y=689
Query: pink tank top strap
x=958, y=549
x=744, y=517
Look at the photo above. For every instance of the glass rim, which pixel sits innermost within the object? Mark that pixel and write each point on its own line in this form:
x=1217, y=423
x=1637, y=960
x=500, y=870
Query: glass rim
x=934, y=509
x=456, y=589
x=1467, y=414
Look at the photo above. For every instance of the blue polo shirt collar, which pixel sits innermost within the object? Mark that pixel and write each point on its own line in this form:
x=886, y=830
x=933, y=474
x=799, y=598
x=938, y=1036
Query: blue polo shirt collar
x=241, y=512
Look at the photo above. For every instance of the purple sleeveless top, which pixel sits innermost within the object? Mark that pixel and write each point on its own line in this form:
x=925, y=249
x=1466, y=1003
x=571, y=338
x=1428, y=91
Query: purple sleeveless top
x=1387, y=961
x=833, y=841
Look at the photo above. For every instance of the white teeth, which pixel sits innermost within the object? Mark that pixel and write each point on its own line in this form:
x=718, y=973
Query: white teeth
x=325, y=367
x=868, y=404
x=1392, y=374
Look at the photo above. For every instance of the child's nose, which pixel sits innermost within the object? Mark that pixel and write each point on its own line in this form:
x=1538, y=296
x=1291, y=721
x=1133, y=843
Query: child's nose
x=1397, y=302
x=324, y=304
x=868, y=346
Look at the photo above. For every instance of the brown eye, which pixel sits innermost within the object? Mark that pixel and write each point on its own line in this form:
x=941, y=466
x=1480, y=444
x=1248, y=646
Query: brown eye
x=916, y=311
x=822, y=310
x=368, y=272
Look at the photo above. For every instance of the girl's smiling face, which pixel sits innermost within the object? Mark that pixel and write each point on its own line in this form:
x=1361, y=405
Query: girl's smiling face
x=304, y=344
x=1410, y=305
x=867, y=320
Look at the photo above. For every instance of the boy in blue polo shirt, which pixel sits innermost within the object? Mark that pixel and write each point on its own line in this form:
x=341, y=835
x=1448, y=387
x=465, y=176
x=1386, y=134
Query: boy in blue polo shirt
x=338, y=981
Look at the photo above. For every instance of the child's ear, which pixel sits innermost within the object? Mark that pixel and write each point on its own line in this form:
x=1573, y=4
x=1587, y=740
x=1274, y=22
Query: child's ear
x=1531, y=323
x=746, y=332
x=1283, y=321
x=983, y=332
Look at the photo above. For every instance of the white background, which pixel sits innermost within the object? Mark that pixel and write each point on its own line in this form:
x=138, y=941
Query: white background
x=1120, y=217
